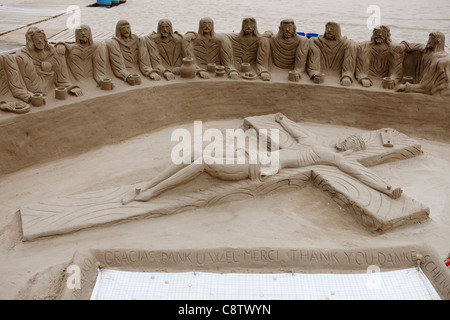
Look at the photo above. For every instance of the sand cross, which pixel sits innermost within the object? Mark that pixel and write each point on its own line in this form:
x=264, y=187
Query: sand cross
x=374, y=210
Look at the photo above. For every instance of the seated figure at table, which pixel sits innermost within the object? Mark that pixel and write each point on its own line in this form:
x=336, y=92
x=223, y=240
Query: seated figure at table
x=85, y=58
x=40, y=66
x=125, y=54
x=288, y=50
x=207, y=46
x=249, y=46
x=333, y=52
x=431, y=68
x=166, y=49
x=379, y=58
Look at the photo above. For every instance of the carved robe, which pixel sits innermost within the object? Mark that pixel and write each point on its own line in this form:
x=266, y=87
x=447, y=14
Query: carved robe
x=253, y=50
x=35, y=77
x=378, y=60
x=336, y=55
x=290, y=53
x=216, y=49
x=124, y=56
x=86, y=61
x=431, y=70
x=165, y=54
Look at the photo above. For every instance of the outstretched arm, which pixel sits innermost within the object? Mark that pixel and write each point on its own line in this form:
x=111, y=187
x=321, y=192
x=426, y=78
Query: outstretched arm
x=293, y=131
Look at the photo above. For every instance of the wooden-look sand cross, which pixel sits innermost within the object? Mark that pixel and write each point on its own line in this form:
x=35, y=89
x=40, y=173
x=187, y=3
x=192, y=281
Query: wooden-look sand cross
x=309, y=151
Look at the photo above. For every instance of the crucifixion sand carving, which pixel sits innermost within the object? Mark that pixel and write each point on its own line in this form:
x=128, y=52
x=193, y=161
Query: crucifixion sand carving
x=343, y=175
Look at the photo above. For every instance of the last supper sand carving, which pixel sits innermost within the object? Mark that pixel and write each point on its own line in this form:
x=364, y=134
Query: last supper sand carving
x=374, y=210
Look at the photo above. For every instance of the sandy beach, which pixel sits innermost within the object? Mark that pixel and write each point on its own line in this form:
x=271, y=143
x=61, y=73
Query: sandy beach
x=304, y=218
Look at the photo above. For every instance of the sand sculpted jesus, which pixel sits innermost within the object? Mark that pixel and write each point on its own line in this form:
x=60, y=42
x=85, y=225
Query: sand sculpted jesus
x=303, y=156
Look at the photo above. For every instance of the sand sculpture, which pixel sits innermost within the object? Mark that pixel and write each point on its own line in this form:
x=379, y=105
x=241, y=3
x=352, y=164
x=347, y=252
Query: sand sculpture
x=170, y=49
x=125, y=54
x=380, y=58
x=40, y=66
x=85, y=58
x=251, y=50
x=432, y=66
x=289, y=50
x=333, y=52
x=308, y=152
x=208, y=47
x=343, y=176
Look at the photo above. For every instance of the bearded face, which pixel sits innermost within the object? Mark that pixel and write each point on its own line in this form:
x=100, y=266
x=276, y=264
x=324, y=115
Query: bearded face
x=125, y=31
x=330, y=32
x=83, y=35
x=380, y=36
x=248, y=27
x=287, y=30
x=431, y=44
x=165, y=29
x=39, y=40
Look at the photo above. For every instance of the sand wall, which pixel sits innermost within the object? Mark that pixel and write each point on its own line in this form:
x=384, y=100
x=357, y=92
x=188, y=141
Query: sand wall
x=67, y=129
x=256, y=260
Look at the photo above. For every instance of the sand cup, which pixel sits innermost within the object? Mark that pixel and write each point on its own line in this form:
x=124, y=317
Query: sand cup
x=246, y=67
x=406, y=79
x=388, y=83
x=61, y=93
x=211, y=67
x=220, y=71
x=294, y=76
x=137, y=78
x=319, y=78
x=37, y=99
x=106, y=84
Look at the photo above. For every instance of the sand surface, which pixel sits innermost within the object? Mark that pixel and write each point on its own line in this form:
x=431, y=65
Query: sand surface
x=307, y=218
x=303, y=217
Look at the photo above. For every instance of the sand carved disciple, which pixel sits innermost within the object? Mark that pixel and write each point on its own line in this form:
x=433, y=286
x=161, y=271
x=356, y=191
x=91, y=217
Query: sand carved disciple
x=127, y=54
x=432, y=67
x=39, y=66
x=288, y=50
x=249, y=46
x=207, y=46
x=85, y=58
x=378, y=58
x=333, y=52
x=309, y=151
x=170, y=48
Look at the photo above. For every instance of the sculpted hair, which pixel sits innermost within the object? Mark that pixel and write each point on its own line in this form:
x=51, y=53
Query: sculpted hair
x=118, y=25
x=441, y=37
x=255, y=32
x=388, y=34
x=200, y=28
x=167, y=21
x=337, y=27
x=29, y=37
x=84, y=26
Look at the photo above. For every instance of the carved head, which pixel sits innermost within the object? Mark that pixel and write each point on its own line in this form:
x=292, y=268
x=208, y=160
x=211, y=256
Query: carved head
x=83, y=35
x=381, y=34
x=123, y=29
x=165, y=28
x=35, y=39
x=206, y=26
x=249, y=27
x=352, y=142
x=436, y=42
x=332, y=31
x=287, y=29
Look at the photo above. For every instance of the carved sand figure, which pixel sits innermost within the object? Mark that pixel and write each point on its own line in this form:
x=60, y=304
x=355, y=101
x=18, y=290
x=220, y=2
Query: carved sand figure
x=85, y=58
x=432, y=68
x=206, y=47
x=171, y=49
x=309, y=151
x=333, y=52
x=288, y=50
x=40, y=67
x=378, y=58
x=249, y=46
x=125, y=51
